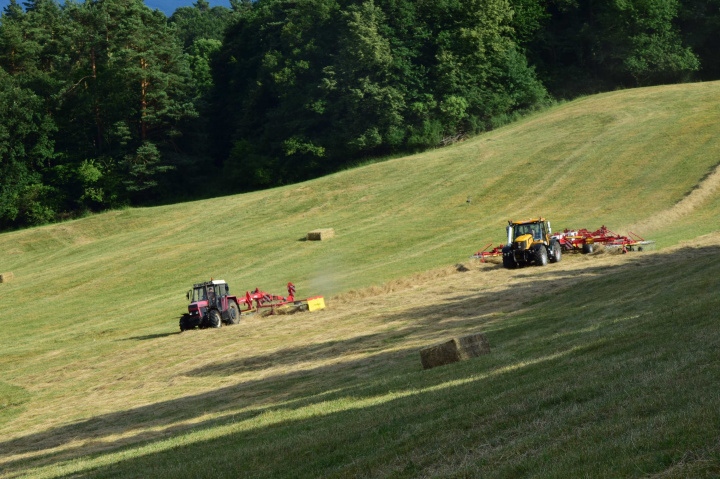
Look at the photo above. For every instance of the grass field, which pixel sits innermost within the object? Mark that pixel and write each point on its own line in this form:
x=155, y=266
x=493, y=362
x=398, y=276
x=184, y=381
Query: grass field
x=601, y=366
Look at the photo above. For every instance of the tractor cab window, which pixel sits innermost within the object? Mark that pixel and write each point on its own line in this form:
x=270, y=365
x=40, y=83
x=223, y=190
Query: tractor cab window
x=533, y=229
x=219, y=290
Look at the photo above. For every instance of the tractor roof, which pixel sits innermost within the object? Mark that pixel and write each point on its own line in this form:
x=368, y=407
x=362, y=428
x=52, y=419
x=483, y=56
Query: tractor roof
x=524, y=222
x=208, y=283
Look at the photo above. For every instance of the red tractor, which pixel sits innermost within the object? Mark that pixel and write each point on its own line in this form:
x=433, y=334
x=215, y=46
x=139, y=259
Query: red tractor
x=210, y=306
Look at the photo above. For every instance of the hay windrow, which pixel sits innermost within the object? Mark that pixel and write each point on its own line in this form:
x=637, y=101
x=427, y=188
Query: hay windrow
x=703, y=192
x=403, y=284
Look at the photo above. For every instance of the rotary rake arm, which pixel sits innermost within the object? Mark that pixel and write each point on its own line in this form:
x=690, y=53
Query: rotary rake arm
x=484, y=254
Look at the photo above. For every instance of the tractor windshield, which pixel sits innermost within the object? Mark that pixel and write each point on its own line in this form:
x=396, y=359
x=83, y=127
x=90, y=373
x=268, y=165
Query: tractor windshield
x=528, y=229
x=199, y=295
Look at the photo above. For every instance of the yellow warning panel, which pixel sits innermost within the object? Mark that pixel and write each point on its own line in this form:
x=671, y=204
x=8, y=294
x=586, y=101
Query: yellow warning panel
x=316, y=303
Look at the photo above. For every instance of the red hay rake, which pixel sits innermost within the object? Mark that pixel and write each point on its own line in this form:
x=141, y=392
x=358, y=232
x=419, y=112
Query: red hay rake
x=272, y=302
x=581, y=240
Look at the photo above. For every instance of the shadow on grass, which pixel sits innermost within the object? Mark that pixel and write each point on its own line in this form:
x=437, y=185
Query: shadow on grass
x=167, y=413
x=442, y=379
x=295, y=355
x=515, y=420
x=150, y=336
x=518, y=344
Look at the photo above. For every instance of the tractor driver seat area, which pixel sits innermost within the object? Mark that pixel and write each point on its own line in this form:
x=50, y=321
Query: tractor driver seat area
x=210, y=296
x=535, y=231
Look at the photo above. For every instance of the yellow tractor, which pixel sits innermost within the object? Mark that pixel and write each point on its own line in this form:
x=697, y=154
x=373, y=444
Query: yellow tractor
x=529, y=242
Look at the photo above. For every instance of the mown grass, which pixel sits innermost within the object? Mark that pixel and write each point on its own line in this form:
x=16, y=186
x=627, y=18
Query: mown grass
x=576, y=386
x=613, y=375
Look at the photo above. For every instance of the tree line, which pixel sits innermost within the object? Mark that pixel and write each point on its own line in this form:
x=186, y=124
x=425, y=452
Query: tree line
x=105, y=103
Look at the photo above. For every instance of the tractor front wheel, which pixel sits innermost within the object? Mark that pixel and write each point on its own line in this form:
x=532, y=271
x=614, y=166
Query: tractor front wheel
x=541, y=256
x=508, y=258
x=185, y=322
x=214, y=319
x=233, y=313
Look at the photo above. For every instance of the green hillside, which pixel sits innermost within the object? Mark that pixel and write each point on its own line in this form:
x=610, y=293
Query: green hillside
x=611, y=365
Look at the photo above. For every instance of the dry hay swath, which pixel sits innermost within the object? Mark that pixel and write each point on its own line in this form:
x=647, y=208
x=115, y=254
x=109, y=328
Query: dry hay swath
x=6, y=277
x=285, y=309
x=403, y=284
x=601, y=249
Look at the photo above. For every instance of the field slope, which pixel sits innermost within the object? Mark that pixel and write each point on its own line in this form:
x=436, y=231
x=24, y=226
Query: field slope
x=601, y=366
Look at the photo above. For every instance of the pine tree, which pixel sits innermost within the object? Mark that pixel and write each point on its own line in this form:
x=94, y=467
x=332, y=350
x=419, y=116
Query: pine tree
x=156, y=86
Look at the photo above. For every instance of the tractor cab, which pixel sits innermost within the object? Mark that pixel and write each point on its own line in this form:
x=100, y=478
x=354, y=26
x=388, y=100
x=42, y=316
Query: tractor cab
x=529, y=241
x=210, y=306
x=538, y=229
x=210, y=291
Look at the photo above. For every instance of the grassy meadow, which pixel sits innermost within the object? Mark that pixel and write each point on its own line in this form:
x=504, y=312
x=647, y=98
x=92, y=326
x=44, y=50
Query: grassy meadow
x=604, y=365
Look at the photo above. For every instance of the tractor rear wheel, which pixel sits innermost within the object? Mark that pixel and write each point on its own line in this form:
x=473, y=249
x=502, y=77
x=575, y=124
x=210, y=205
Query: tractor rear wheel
x=233, y=313
x=557, y=252
x=541, y=256
x=214, y=318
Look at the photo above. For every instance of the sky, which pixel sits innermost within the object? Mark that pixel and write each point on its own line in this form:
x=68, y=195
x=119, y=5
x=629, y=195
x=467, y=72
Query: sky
x=167, y=6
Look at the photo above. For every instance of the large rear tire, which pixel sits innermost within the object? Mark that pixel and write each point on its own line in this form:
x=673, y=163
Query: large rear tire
x=233, y=313
x=557, y=252
x=214, y=319
x=541, y=256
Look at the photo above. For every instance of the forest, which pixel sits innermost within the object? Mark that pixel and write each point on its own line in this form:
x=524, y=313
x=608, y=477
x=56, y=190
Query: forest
x=107, y=103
